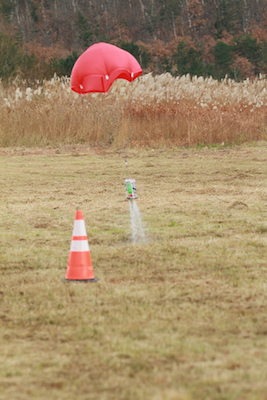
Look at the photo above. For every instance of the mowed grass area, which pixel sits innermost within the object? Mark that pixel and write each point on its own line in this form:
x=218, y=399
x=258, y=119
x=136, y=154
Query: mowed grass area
x=181, y=317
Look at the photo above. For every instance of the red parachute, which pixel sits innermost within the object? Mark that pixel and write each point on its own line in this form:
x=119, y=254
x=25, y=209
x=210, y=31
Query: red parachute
x=98, y=67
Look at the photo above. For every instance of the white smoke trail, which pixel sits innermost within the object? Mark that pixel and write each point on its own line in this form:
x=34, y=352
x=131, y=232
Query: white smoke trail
x=138, y=233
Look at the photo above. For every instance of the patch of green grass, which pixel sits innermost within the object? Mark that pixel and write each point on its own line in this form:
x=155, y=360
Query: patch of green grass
x=262, y=229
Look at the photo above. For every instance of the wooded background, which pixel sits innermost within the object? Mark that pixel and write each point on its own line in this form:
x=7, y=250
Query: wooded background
x=203, y=38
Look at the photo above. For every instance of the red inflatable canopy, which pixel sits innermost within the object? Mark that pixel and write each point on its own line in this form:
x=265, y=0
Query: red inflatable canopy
x=98, y=67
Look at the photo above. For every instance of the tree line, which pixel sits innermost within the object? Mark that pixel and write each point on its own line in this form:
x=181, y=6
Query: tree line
x=198, y=37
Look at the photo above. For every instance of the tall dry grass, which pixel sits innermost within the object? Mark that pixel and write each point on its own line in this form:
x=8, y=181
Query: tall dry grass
x=164, y=111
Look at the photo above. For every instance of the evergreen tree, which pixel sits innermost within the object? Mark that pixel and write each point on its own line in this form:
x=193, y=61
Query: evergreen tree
x=188, y=60
x=6, y=8
x=85, y=34
x=181, y=58
x=195, y=63
x=247, y=46
x=263, y=59
x=11, y=57
x=230, y=16
x=223, y=56
x=63, y=67
x=140, y=53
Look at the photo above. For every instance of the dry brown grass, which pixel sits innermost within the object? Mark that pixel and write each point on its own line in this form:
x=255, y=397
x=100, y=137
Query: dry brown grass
x=188, y=124
x=164, y=111
x=182, y=317
x=103, y=123
x=43, y=122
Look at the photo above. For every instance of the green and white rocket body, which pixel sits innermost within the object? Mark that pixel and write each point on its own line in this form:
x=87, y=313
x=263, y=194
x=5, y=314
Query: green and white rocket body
x=130, y=188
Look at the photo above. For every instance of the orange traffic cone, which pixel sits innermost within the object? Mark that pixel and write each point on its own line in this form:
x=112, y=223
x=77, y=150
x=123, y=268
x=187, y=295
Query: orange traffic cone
x=80, y=264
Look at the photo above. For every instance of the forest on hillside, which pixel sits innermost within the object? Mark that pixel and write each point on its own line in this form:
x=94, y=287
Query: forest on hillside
x=198, y=37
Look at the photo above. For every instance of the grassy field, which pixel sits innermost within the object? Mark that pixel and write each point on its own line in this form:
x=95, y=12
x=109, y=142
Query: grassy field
x=181, y=317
